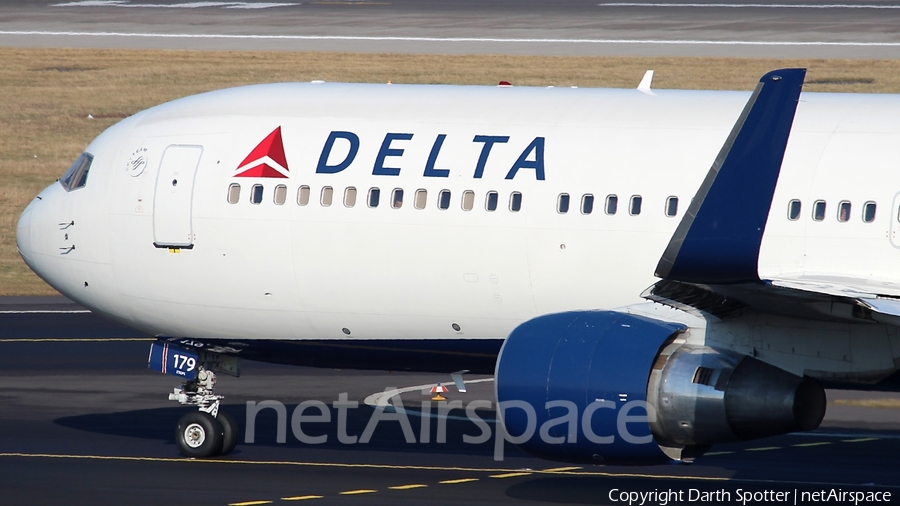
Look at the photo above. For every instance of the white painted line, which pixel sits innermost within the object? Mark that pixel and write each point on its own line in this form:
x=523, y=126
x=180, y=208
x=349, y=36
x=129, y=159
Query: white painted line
x=46, y=311
x=753, y=6
x=453, y=39
x=187, y=5
x=380, y=399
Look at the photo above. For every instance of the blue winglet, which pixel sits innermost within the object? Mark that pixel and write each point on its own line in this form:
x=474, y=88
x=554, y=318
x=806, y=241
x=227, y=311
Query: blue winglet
x=718, y=240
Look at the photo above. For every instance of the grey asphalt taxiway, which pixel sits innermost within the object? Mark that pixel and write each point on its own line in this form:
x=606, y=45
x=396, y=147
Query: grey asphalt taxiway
x=747, y=28
x=84, y=422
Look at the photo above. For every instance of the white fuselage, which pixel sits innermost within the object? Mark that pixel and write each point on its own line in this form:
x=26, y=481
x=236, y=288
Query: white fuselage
x=289, y=271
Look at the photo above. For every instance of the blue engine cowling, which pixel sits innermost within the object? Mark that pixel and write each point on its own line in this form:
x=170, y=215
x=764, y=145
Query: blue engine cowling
x=585, y=376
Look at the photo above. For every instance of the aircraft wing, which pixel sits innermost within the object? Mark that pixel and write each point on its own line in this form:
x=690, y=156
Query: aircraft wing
x=882, y=298
x=837, y=286
x=801, y=297
x=711, y=262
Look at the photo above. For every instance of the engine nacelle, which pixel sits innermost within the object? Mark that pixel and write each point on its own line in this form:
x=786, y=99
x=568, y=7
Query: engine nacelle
x=703, y=396
x=610, y=387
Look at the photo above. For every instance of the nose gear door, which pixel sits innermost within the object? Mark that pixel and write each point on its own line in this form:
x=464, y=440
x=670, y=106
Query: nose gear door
x=173, y=196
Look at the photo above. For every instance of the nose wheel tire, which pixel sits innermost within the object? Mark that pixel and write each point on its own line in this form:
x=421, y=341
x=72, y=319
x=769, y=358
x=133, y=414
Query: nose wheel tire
x=230, y=432
x=199, y=435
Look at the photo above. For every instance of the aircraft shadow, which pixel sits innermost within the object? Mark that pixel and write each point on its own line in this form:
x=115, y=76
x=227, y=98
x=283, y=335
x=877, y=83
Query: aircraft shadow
x=388, y=436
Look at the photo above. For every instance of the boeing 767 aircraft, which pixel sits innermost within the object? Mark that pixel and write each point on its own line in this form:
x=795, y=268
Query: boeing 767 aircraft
x=646, y=272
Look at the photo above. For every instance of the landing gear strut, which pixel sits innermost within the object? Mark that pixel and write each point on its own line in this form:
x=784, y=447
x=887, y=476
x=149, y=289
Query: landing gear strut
x=207, y=432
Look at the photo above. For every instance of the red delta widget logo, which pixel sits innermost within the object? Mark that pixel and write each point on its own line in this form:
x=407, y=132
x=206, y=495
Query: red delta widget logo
x=267, y=159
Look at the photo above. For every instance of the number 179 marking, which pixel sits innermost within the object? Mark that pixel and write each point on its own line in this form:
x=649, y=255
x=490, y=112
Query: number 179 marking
x=180, y=361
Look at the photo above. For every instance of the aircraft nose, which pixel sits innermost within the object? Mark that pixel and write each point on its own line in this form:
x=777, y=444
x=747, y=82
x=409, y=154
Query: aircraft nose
x=23, y=235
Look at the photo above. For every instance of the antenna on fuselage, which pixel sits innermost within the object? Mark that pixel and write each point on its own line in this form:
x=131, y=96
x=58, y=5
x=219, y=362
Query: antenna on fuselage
x=644, y=87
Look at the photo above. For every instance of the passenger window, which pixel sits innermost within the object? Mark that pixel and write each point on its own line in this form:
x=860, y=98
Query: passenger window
x=635, y=208
x=819, y=210
x=515, y=202
x=794, y=210
x=234, y=193
x=612, y=204
x=671, y=206
x=326, y=196
x=350, y=197
x=587, y=204
x=374, y=197
x=76, y=176
x=490, y=201
x=280, y=194
x=303, y=195
x=869, y=212
x=444, y=199
x=421, y=198
x=844, y=211
x=256, y=194
x=468, y=200
x=562, y=203
x=397, y=198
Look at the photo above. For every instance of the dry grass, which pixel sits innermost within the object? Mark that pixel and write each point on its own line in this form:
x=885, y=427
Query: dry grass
x=47, y=95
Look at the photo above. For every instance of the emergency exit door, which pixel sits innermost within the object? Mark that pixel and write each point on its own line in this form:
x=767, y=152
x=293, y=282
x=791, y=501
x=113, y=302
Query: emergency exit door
x=173, y=197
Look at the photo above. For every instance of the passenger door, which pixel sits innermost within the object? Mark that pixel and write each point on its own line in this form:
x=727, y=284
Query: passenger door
x=895, y=221
x=173, y=196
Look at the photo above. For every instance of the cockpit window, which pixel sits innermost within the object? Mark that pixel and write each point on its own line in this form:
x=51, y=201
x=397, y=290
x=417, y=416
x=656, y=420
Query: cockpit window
x=76, y=176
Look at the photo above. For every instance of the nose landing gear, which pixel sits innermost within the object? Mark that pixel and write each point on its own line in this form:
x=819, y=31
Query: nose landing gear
x=207, y=432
